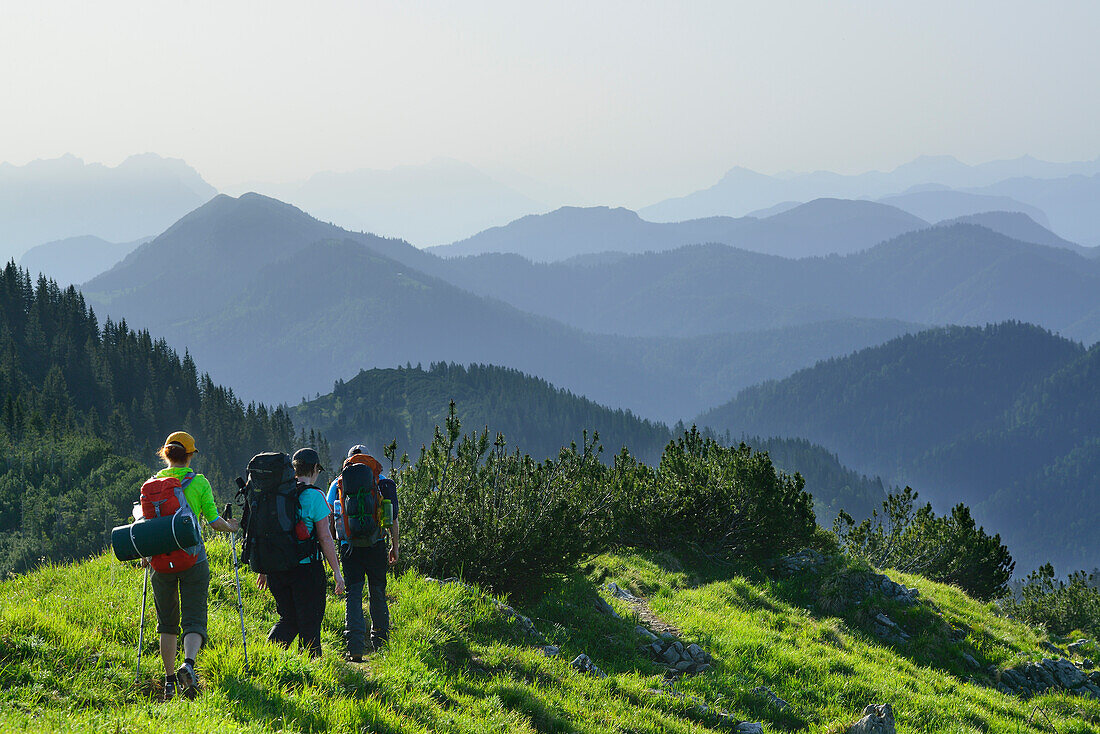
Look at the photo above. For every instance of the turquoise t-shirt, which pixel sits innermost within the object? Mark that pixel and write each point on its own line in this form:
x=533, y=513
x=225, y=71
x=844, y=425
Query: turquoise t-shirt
x=314, y=509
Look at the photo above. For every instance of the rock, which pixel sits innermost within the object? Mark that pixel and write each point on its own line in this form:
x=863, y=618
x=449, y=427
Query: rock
x=765, y=693
x=805, y=559
x=746, y=727
x=678, y=647
x=620, y=593
x=551, y=651
x=602, y=606
x=887, y=629
x=1053, y=648
x=697, y=653
x=656, y=649
x=886, y=621
x=877, y=719
x=970, y=661
x=703, y=667
x=685, y=666
x=670, y=655
x=1088, y=689
x=583, y=664
x=1087, y=664
x=1067, y=674
x=1077, y=648
x=645, y=634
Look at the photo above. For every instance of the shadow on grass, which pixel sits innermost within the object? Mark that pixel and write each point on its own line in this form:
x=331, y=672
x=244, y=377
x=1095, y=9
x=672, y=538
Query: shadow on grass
x=257, y=704
x=829, y=594
x=541, y=716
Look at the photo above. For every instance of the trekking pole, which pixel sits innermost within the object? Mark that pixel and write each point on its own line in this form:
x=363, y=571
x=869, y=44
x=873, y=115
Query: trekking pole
x=141, y=629
x=240, y=605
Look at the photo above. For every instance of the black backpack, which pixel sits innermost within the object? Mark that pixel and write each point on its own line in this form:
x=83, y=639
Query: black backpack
x=271, y=516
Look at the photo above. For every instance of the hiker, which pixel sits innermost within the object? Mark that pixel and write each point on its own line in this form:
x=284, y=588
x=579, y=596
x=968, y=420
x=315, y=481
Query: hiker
x=364, y=554
x=300, y=592
x=180, y=596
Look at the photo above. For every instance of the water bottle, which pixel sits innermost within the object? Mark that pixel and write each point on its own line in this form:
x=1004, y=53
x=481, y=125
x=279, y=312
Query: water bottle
x=387, y=514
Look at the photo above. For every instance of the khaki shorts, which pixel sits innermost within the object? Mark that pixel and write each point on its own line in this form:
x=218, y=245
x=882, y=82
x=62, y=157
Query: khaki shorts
x=185, y=591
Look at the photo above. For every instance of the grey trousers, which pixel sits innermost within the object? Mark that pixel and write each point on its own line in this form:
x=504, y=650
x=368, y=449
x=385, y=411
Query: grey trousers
x=365, y=566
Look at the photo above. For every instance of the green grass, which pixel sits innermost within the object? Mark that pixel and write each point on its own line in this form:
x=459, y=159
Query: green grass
x=68, y=637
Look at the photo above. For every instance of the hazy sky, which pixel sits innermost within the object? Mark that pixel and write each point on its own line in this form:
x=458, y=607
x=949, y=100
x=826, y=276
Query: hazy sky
x=624, y=102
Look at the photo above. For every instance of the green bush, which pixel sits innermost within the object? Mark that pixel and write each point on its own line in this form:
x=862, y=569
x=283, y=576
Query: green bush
x=952, y=548
x=1058, y=606
x=728, y=501
x=475, y=510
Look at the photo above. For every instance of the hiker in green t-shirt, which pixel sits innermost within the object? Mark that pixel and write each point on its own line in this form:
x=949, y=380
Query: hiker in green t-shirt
x=181, y=597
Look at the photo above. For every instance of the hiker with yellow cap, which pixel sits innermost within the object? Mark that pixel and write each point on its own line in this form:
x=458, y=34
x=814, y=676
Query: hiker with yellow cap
x=181, y=579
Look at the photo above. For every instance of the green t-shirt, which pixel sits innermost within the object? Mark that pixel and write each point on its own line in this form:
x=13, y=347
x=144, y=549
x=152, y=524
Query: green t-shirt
x=198, y=493
x=315, y=509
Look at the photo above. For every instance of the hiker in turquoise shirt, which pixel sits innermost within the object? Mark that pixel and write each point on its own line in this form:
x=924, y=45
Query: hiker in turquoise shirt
x=300, y=592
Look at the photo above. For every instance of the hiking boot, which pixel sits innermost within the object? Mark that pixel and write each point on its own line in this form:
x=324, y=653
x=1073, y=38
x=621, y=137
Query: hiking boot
x=185, y=676
x=169, y=690
x=356, y=656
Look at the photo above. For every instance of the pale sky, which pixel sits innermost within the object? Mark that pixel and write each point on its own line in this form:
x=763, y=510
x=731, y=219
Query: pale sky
x=625, y=102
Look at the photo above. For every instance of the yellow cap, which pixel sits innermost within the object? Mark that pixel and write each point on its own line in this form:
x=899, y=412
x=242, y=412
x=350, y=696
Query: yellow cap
x=183, y=439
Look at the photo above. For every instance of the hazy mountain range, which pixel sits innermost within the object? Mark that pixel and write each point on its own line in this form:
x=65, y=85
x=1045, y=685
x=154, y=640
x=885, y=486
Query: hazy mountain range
x=73, y=260
x=1005, y=418
x=742, y=190
x=962, y=273
x=819, y=227
x=1064, y=193
x=431, y=204
x=938, y=203
x=49, y=200
x=275, y=281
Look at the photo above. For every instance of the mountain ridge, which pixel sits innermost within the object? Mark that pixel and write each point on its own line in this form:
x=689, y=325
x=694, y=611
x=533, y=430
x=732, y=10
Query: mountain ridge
x=1001, y=417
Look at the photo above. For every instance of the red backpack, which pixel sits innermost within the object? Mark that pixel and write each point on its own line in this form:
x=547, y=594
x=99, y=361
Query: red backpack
x=163, y=497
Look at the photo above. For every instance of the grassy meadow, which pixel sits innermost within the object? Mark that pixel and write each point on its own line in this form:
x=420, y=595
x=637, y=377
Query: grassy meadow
x=68, y=636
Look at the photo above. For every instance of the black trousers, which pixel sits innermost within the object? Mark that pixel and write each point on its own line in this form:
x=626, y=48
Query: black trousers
x=300, y=601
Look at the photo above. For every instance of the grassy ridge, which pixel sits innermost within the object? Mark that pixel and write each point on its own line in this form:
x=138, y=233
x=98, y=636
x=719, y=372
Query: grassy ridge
x=68, y=635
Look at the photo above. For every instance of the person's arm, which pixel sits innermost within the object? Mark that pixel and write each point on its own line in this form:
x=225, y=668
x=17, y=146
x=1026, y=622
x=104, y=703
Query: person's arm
x=225, y=526
x=324, y=537
x=395, y=540
x=209, y=510
x=333, y=495
x=395, y=529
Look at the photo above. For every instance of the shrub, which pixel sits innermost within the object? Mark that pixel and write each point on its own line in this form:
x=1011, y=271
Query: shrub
x=728, y=501
x=1058, y=606
x=951, y=549
x=474, y=509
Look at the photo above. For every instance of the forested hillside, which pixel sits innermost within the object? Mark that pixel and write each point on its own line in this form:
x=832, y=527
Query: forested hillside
x=85, y=406
x=1004, y=418
x=833, y=486
x=406, y=404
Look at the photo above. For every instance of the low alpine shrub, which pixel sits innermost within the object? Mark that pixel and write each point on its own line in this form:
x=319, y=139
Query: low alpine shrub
x=474, y=509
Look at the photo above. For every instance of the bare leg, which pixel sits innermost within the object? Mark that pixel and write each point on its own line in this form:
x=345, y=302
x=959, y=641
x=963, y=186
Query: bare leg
x=168, y=652
x=192, y=641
